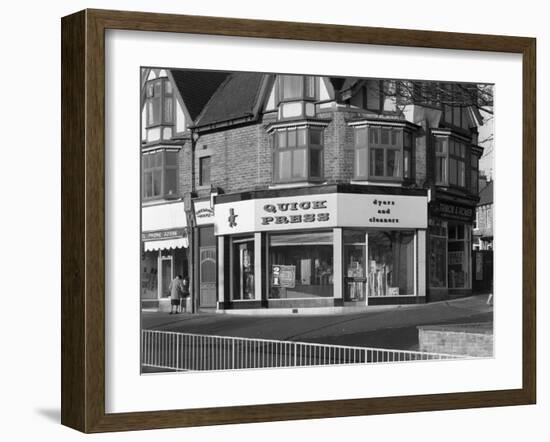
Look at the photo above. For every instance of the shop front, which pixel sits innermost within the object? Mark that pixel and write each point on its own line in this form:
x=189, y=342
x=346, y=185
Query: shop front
x=325, y=247
x=450, y=249
x=164, y=253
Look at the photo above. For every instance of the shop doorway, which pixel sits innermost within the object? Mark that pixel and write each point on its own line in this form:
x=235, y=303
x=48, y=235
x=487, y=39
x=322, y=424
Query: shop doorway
x=355, y=275
x=166, y=275
x=207, y=277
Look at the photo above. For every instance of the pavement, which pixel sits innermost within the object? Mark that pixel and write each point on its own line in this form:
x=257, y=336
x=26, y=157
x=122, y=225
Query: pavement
x=376, y=326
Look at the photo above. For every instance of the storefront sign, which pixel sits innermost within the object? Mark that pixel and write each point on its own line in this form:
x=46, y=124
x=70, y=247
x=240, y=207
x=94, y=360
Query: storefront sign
x=284, y=276
x=163, y=234
x=322, y=211
x=204, y=213
x=452, y=211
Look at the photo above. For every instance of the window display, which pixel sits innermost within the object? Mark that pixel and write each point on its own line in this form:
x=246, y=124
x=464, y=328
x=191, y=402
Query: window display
x=438, y=255
x=391, y=263
x=243, y=269
x=305, y=258
x=459, y=256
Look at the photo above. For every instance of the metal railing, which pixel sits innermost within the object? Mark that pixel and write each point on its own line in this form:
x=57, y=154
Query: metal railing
x=193, y=352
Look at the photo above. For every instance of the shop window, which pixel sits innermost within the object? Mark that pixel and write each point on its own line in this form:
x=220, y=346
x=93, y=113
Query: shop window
x=438, y=256
x=301, y=265
x=390, y=264
x=159, y=103
x=160, y=174
x=383, y=153
x=298, y=154
x=458, y=271
x=242, y=265
x=204, y=171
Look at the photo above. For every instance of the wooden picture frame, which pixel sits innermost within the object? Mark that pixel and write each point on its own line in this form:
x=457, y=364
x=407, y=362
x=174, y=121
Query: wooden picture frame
x=83, y=220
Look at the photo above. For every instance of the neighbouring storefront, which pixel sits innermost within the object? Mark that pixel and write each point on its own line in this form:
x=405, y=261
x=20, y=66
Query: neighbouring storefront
x=321, y=247
x=450, y=249
x=164, y=252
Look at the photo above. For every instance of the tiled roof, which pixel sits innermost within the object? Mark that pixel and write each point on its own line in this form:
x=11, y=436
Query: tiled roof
x=196, y=87
x=235, y=98
x=486, y=194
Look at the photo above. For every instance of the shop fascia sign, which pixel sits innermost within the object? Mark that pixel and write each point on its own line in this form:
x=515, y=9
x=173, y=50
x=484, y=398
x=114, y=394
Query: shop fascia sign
x=163, y=234
x=321, y=211
x=452, y=211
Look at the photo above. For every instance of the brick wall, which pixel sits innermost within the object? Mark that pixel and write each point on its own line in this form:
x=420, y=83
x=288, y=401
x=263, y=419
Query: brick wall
x=456, y=340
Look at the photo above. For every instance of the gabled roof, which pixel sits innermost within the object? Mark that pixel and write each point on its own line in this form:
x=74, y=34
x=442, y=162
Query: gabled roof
x=196, y=87
x=486, y=194
x=236, y=98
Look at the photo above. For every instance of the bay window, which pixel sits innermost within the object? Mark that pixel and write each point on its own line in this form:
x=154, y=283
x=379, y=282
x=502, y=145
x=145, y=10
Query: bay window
x=450, y=162
x=297, y=87
x=159, y=103
x=383, y=153
x=298, y=154
x=474, y=174
x=160, y=174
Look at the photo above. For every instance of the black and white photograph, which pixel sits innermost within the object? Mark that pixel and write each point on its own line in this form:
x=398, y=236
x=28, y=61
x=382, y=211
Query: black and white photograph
x=301, y=220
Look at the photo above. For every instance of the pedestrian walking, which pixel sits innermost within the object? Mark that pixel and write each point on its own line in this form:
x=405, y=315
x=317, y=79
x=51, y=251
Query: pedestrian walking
x=184, y=294
x=176, y=289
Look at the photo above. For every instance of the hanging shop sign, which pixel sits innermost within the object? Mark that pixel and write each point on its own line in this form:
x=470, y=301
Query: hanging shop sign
x=452, y=211
x=283, y=276
x=321, y=211
x=204, y=213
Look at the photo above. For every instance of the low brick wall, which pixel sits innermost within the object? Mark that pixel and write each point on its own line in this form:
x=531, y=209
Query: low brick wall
x=457, y=339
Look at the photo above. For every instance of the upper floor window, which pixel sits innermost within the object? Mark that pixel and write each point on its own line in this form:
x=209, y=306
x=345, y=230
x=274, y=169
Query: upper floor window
x=383, y=153
x=159, y=102
x=298, y=154
x=160, y=174
x=297, y=87
x=204, y=171
x=452, y=161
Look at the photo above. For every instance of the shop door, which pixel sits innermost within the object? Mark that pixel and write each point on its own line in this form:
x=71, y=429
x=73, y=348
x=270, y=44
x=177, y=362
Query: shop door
x=355, y=277
x=166, y=275
x=207, y=277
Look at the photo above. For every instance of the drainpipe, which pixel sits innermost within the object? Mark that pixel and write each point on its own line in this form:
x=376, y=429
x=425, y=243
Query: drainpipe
x=189, y=211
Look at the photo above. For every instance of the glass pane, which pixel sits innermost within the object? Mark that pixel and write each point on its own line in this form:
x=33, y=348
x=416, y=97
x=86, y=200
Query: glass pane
x=171, y=158
x=393, y=163
x=391, y=264
x=171, y=182
x=315, y=163
x=296, y=271
x=148, y=184
x=407, y=142
x=474, y=180
x=167, y=87
x=310, y=87
x=292, y=86
x=361, y=163
x=158, y=89
x=150, y=90
x=385, y=136
x=284, y=166
x=406, y=164
x=302, y=137
x=456, y=116
x=156, y=159
x=281, y=142
x=243, y=270
x=441, y=170
x=377, y=162
x=373, y=135
x=461, y=174
x=394, y=137
x=157, y=177
x=299, y=165
x=441, y=145
x=453, y=177
x=361, y=137
x=291, y=140
x=168, y=110
x=438, y=262
x=315, y=137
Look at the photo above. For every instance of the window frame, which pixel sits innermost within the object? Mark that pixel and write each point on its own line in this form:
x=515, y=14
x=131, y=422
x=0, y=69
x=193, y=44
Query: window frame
x=308, y=147
x=202, y=159
x=164, y=95
x=163, y=167
x=452, y=145
x=402, y=132
x=306, y=81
